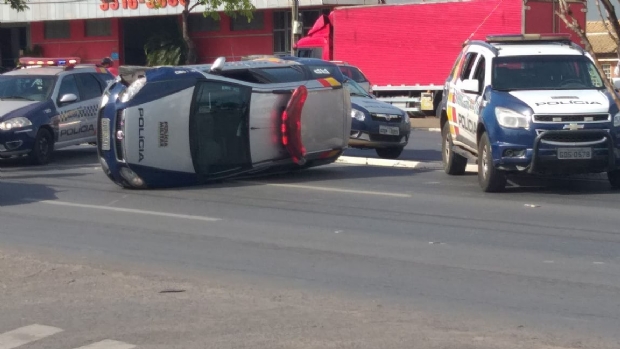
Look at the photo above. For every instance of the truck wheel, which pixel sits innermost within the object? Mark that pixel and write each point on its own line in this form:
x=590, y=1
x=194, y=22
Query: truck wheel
x=389, y=153
x=614, y=178
x=490, y=179
x=453, y=164
x=42, y=150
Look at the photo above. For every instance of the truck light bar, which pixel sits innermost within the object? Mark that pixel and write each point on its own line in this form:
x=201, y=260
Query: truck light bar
x=522, y=38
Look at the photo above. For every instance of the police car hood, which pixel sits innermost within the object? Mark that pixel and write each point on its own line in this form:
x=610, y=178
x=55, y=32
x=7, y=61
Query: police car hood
x=564, y=101
x=8, y=107
x=374, y=106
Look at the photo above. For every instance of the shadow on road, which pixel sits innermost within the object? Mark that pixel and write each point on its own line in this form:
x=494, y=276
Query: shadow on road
x=21, y=193
x=565, y=185
x=407, y=154
x=62, y=159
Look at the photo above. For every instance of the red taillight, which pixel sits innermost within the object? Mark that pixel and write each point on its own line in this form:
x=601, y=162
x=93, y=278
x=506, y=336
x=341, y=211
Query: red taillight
x=291, y=125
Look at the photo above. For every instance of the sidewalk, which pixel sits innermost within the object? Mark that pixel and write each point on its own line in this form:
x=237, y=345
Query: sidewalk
x=429, y=122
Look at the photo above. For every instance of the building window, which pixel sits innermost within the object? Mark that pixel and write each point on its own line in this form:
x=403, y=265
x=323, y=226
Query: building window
x=57, y=30
x=241, y=22
x=199, y=23
x=607, y=70
x=98, y=27
x=282, y=28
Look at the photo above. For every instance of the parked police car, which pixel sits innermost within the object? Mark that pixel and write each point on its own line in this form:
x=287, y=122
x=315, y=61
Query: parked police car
x=48, y=107
x=529, y=104
x=171, y=126
x=377, y=125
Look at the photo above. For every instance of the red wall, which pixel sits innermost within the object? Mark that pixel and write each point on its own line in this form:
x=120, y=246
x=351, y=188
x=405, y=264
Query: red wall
x=234, y=44
x=90, y=49
x=416, y=43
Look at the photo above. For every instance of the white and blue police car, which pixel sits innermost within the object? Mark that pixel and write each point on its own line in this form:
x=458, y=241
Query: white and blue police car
x=49, y=104
x=531, y=104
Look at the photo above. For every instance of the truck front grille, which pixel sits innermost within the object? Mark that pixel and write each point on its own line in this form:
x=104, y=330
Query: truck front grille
x=563, y=118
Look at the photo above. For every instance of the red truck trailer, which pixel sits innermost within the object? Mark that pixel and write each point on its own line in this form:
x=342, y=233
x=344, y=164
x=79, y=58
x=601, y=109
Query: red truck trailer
x=407, y=50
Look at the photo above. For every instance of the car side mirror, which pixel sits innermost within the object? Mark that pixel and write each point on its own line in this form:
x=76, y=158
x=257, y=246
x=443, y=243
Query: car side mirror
x=68, y=98
x=470, y=86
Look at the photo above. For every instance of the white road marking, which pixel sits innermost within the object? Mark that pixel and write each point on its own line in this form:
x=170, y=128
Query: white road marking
x=354, y=160
x=25, y=335
x=131, y=210
x=336, y=190
x=434, y=129
x=548, y=262
x=108, y=344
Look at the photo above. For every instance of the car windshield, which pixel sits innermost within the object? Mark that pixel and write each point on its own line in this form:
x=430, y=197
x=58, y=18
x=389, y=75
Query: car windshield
x=355, y=89
x=545, y=73
x=26, y=87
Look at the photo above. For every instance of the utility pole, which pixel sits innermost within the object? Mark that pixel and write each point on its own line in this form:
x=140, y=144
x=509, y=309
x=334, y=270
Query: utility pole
x=295, y=26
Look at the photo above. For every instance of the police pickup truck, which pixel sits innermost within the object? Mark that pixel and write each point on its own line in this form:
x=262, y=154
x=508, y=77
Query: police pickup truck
x=531, y=104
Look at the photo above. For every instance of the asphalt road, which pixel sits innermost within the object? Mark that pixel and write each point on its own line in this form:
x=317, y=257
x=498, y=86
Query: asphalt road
x=344, y=256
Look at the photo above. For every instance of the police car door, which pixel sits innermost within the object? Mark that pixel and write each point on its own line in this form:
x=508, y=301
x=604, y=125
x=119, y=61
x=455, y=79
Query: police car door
x=465, y=100
x=90, y=94
x=68, y=104
x=479, y=73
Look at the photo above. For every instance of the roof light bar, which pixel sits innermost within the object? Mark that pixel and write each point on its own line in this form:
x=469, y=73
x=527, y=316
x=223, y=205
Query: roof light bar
x=49, y=61
x=516, y=38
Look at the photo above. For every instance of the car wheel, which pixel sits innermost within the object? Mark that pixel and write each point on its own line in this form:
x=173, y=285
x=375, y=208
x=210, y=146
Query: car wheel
x=43, y=147
x=453, y=164
x=614, y=178
x=490, y=179
x=389, y=153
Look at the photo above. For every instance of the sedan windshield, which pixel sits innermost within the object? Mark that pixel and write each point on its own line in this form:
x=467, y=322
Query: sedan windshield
x=26, y=87
x=545, y=73
x=355, y=89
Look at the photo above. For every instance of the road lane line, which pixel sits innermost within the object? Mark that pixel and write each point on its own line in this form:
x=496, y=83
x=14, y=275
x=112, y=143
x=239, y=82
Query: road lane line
x=25, y=335
x=337, y=190
x=108, y=344
x=131, y=210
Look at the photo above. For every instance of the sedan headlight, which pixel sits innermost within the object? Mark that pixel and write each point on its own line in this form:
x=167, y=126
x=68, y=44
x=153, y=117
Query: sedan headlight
x=357, y=115
x=133, y=89
x=14, y=123
x=617, y=120
x=511, y=119
x=406, y=119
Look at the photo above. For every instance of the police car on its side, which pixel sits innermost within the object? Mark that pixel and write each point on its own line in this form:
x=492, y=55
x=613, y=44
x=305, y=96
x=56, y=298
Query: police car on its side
x=50, y=104
x=173, y=126
x=529, y=104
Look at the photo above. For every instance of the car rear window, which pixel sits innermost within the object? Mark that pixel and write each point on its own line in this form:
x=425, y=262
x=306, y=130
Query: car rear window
x=325, y=71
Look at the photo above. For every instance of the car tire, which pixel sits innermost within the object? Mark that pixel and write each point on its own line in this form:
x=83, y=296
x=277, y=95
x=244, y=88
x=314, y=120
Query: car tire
x=389, y=153
x=42, y=149
x=490, y=179
x=453, y=164
x=614, y=178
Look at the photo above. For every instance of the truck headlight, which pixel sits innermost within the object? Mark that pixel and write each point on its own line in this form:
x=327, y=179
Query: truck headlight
x=104, y=100
x=133, y=89
x=357, y=115
x=14, y=123
x=617, y=120
x=511, y=119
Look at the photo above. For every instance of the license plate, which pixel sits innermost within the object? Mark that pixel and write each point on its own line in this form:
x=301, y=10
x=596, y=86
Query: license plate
x=574, y=153
x=389, y=130
x=105, y=134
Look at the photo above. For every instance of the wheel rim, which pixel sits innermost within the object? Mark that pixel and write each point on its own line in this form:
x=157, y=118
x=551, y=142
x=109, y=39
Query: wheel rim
x=485, y=164
x=43, y=147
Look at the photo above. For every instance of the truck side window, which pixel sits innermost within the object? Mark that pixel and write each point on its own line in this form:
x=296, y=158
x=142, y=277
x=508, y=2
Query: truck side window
x=470, y=58
x=480, y=74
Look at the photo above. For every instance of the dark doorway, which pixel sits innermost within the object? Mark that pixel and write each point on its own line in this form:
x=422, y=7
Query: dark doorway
x=12, y=39
x=137, y=30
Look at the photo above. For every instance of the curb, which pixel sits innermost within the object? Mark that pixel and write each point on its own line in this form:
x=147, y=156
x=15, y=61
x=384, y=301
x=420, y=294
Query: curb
x=430, y=129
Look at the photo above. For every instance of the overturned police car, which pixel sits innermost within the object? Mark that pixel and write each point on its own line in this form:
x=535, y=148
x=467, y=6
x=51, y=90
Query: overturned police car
x=185, y=125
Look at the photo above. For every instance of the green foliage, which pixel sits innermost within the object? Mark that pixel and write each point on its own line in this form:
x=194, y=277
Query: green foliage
x=19, y=5
x=164, y=49
x=231, y=7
